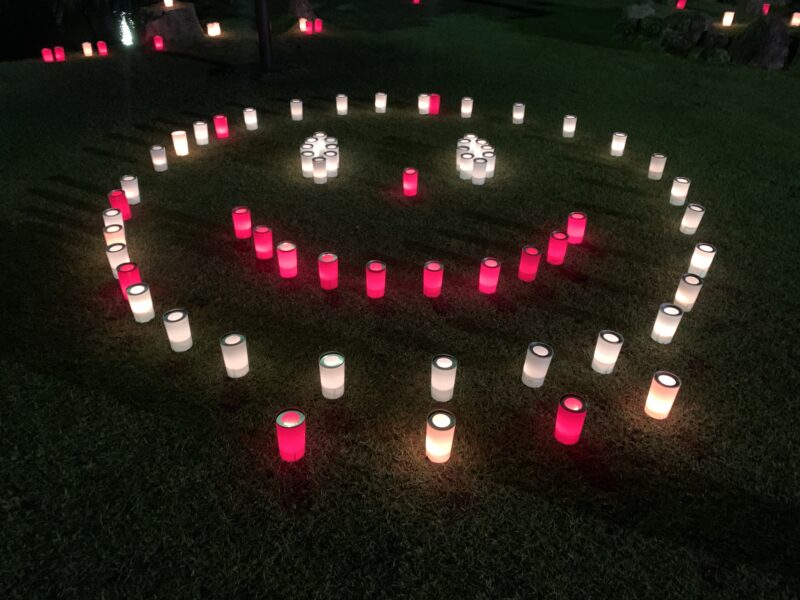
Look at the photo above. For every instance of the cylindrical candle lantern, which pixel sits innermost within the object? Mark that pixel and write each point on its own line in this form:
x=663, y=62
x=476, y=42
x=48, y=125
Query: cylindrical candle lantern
x=158, y=154
x=576, y=227
x=331, y=162
x=658, y=163
x=491, y=159
x=141, y=302
x=221, y=126
x=250, y=118
x=570, y=125
x=618, y=141
x=307, y=163
x=309, y=27
x=795, y=22
x=320, y=169
x=518, y=113
x=557, y=248
x=606, y=351
x=691, y=218
x=687, y=292
x=242, y=222
x=102, y=48
x=112, y=216
x=130, y=185
x=262, y=242
x=435, y=102
x=179, y=333
x=537, y=361
x=201, y=133
x=380, y=102
x=117, y=199
x=459, y=151
x=290, y=427
x=466, y=107
x=479, y=171
x=158, y=43
x=569, y=419
x=180, y=142
x=331, y=375
x=410, y=182
x=432, y=279
x=376, y=279
x=529, y=263
x=317, y=25
x=114, y=234
x=87, y=48
x=680, y=4
x=667, y=321
x=128, y=274
x=664, y=388
x=489, y=275
x=465, y=165
x=328, y=267
x=47, y=55
x=302, y=24
x=341, y=104
x=234, y=354
x=213, y=29
x=439, y=436
x=423, y=104
x=168, y=3
x=727, y=18
x=680, y=189
x=287, y=259
x=59, y=54
x=702, y=258
x=443, y=377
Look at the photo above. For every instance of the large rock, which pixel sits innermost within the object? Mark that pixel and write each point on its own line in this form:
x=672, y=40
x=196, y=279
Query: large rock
x=637, y=12
x=178, y=25
x=301, y=8
x=764, y=44
x=682, y=30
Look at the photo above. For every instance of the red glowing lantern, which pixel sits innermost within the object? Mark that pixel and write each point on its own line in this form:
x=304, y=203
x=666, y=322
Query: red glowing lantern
x=576, y=227
x=557, y=248
x=221, y=126
x=680, y=4
x=328, y=264
x=434, y=102
x=309, y=27
x=287, y=259
x=128, y=274
x=242, y=222
x=529, y=263
x=58, y=53
x=47, y=55
x=432, y=278
x=489, y=276
x=569, y=419
x=765, y=9
x=317, y=25
x=410, y=181
x=102, y=48
x=414, y=1
x=117, y=199
x=376, y=279
x=158, y=43
x=290, y=426
x=262, y=242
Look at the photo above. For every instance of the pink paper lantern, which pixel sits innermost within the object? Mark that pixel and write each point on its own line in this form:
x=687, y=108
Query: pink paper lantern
x=434, y=103
x=557, y=248
x=576, y=227
x=128, y=274
x=410, y=181
x=158, y=43
x=765, y=8
x=309, y=27
x=414, y=1
x=102, y=48
x=262, y=242
x=242, y=222
x=117, y=199
x=376, y=279
x=287, y=259
x=290, y=426
x=432, y=279
x=529, y=263
x=569, y=419
x=680, y=4
x=221, y=126
x=317, y=25
x=58, y=53
x=328, y=264
x=47, y=55
x=489, y=276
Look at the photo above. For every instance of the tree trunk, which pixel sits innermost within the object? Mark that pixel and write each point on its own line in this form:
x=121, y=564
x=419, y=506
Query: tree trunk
x=264, y=34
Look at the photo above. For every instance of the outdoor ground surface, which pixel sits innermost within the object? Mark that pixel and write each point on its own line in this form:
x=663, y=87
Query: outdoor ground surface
x=131, y=471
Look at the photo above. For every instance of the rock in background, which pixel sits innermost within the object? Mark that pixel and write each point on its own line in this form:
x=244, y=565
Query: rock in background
x=764, y=44
x=179, y=25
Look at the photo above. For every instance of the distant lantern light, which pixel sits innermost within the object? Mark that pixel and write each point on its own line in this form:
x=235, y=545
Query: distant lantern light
x=168, y=3
x=518, y=113
x=664, y=388
x=250, y=118
x=296, y=109
x=439, y=436
x=201, y=133
x=179, y=333
x=341, y=104
x=466, y=107
x=443, y=377
x=320, y=169
x=141, y=302
x=576, y=227
x=287, y=259
x=302, y=24
x=570, y=418
x=479, y=171
x=423, y=104
x=465, y=165
x=102, y=48
x=213, y=29
x=290, y=428
x=158, y=154
x=680, y=4
x=114, y=234
x=234, y=355
x=618, y=141
x=410, y=182
x=331, y=375
x=309, y=27
x=242, y=222
x=87, y=48
x=262, y=242
x=679, y=191
x=331, y=163
x=537, y=361
x=59, y=54
x=557, y=248
x=130, y=185
x=795, y=21
x=529, y=263
x=180, y=142
x=606, y=351
x=158, y=43
x=702, y=258
x=569, y=126
x=691, y=218
x=221, y=127
x=116, y=255
x=376, y=279
x=117, y=199
x=317, y=25
x=381, y=99
x=432, y=279
x=489, y=275
x=47, y=55
x=128, y=274
x=307, y=163
x=688, y=290
x=727, y=18
x=435, y=104
x=667, y=321
x=112, y=216
x=328, y=268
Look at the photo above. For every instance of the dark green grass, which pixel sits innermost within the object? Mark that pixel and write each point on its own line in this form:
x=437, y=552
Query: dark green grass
x=130, y=471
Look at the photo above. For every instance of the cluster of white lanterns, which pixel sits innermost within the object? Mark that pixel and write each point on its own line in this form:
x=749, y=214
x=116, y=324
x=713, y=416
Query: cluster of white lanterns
x=319, y=157
x=475, y=159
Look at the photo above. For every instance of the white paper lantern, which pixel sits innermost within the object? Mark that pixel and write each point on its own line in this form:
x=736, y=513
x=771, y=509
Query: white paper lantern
x=664, y=388
x=296, y=109
x=116, y=255
x=112, y=216
x=688, y=290
x=201, y=133
x=331, y=375
x=466, y=107
x=727, y=18
x=234, y=355
x=465, y=165
x=443, y=377
x=459, y=151
x=606, y=351
x=680, y=189
x=250, y=118
x=618, y=141
x=141, y=302
x=479, y=171
x=114, y=234
x=180, y=142
x=380, y=102
x=130, y=185
x=424, y=104
x=667, y=321
x=795, y=21
x=320, y=169
x=691, y=218
x=518, y=113
x=570, y=125
x=439, y=436
x=158, y=154
x=307, y=163
x=702, y=258
x=213, y=29
x=537, y=361
x=491, y=159
x=331, y=162
x=658, y=163
x=87, y=48
x=179, y=333
x=341, y=104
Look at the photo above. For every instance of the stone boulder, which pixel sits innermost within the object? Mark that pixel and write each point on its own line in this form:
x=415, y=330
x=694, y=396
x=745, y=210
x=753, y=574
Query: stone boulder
x=764, y=44
x=301, y=9
x=682, y=30
x=179, y=25
x=637, y=12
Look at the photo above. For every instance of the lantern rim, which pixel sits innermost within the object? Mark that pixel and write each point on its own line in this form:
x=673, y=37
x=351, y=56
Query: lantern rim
x=581, y=409
x=450, y=416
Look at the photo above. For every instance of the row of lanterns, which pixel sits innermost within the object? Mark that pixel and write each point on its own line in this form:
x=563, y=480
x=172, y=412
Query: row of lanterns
x=57, y=54
x=309, y=26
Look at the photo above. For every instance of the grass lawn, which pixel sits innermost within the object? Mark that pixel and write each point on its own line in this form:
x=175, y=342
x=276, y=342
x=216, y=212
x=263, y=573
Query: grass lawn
x=131, y=471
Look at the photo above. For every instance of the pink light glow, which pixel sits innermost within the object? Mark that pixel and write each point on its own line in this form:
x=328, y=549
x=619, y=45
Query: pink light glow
x=680, y=4
x=117, y=199
x=576, y=227
x=410, y=181
x=309, y=27
x=317, y=25
x=414, y=1
x=58, y=52
x=221, y=126
x=287, y=260
x=434, y=103
x=569, y=419
x=489, y=276
x=262, y=242
x=290, y=427
x=432, y=279
x=242, y=222
x=158, y=43
x=529, y=263
x=557, y=248
x=376, y=279
x=102, y=48
x=765, y=8
x=128, y=275
x=47, y=55
x=328, y=266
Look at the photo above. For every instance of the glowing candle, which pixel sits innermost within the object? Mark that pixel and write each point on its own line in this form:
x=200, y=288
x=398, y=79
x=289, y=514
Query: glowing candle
x=680, y=4
x=576, y=227
x=58, y=53
x=320, y=169
x=141, y=302
x=317, y=25
x=479, y=171
x=667, y=321
x=87, y=48
x=570, y=125
x=114, y=234
x=262, y=242
x=290, y=427
x=557, y=248
x=439, y=436
x=102, y=48
x=331, y=162
x=795, y=22
x=307, y=163
x=376, y=279
x=657, y=164
x=529, y=263
x=702, y=258
x=250, y=118
x=687, y=292
x=130, y=185
x=381, y=99
x=302, y=23
x=618, y=141
x=128, y=274
x=158, y=154
x=158, y=43
x=727, y=18
x=489, y=275
x=435, y=103
x=331, y=375
x=664, y=388
x=47, y=55
x=443, y=377
x=466, y=107
x=201, y=133
x=341, y=104
x=296, y=109
x=234, y=355
x=518, y=113
x=459, y=151
x=537, y=361
x=410, y=181
x=179, y=333
x=691, y=218
x=423, y=104
x=168, y=3
x=117, y=199
x=465, y=165
x=287, y=260
x=328, y=267
x=242, y=222
x=213, y=29
x=680, y=189
x=490, y=163
x=569, y=419
x=310, y=27
x=112, y=216
x=432, y=279
x=116, y=255
x=180, y=142
x=221, y=126
x=606, y=351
